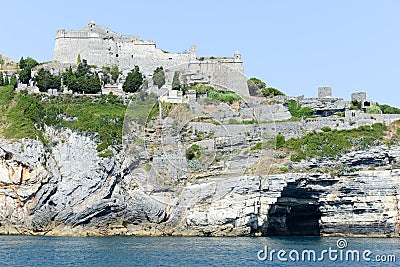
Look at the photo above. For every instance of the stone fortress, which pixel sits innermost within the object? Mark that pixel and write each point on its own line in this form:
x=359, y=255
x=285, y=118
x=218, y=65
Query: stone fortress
x=101, y=46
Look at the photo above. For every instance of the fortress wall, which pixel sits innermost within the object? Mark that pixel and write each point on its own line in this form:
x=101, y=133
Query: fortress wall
x=101, y=52
x=101, y=46
x=223, y=76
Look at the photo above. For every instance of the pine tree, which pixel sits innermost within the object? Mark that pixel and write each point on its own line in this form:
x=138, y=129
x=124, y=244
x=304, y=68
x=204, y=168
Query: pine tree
x=159, y=77
x=176, y=83
x=6, y=81
x=133, y=81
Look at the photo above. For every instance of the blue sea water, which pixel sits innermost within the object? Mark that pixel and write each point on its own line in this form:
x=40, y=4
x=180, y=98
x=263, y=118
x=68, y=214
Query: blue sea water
x=190, y=251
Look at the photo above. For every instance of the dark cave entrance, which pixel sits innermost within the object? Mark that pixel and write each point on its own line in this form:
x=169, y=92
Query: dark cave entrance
x=295, y=213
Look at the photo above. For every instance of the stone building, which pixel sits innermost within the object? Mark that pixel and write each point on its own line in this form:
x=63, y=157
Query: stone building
x=324, y=92
x=101, y=46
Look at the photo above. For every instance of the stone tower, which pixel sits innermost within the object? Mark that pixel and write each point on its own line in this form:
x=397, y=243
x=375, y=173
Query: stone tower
x=324, y=92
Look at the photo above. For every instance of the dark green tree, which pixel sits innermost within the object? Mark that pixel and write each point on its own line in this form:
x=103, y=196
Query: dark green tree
x=83, y=69
x=176, y=83
x=114, y=71
x=271, y=92
x=159, y=77
x=1, y=79
x=26, y=66
x=14, y=81
x=133, y=81
x=91, y=85
x=25, y=75
x=6, y=81
x=21, y=63
x=255, y=85
x=27, y=63
x=45, y=80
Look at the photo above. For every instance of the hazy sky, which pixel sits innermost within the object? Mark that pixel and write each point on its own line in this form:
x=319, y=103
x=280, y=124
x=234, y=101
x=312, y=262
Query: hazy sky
x=296, y=46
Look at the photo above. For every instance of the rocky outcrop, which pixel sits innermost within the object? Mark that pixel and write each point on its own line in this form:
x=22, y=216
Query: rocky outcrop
x=65, y=188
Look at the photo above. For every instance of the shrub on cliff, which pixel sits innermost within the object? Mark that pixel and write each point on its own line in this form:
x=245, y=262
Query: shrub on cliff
x=255, y=85
x=271, y=92
x=386, y=109
x=223, y=96
x=297, y=111
x=332, y=143
x=373, y=110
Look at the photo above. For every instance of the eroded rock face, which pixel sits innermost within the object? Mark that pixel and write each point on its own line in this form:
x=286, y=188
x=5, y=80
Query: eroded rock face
x=65, y=189
x=67, y=186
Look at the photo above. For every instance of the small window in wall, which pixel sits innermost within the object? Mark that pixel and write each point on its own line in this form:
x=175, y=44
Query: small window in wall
x=116, y=55
x=367, y=104
x=131, y=56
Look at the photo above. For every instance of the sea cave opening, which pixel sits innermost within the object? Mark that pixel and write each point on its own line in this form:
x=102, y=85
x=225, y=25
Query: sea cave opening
x=295, y=213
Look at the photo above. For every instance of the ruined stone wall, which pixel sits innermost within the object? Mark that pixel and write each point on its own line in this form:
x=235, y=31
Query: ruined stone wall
x=223, y=74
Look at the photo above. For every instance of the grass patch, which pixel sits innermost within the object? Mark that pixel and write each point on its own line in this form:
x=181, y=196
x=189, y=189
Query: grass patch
x=106, y=153
x=334, y=142
x=24, y=116
x=223, y=96
x=297, y=111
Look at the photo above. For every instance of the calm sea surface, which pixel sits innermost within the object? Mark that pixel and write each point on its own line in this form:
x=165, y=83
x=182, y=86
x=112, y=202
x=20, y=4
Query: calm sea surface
x=196, y=251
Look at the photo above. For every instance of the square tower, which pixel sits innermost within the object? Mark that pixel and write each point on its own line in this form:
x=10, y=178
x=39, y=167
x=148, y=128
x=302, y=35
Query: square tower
x=324, y=92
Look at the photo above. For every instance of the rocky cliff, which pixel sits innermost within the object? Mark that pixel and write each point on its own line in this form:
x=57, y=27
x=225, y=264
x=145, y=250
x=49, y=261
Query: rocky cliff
x=65, y=188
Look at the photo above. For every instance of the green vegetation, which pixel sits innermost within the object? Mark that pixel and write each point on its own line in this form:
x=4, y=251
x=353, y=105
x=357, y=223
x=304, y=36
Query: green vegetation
x=193, y=152
x=332, y=143
x=13, y=81
x=200, y=88
x=284, y=169
x=355, y=105
x=280, y=141
x=373, y=110
x=111, y=74
x=6, y=81
x=297, y=111
x=83, y=80
x=45, y=80
x=176, y=83
x=133, y=81
x=252, y=121
x=142, y=108
x=223, y=96
x=147, y=167
x=233, y=121
x=26, y=66
x=271, y=92
x=25, y=115
x=107, y=153
x=1, y=79
x=255, y=85
x=159, y=77
x=326, y=129
x=386, y=109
